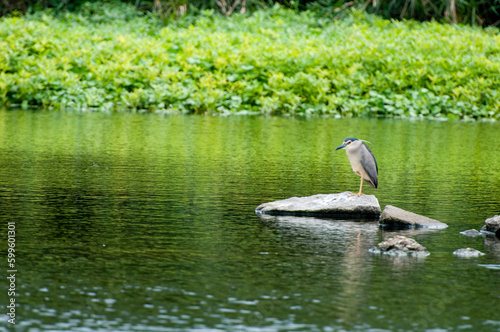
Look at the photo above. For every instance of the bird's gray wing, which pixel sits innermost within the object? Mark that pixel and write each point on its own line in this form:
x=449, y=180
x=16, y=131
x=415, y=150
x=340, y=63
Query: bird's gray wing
x=370, y=165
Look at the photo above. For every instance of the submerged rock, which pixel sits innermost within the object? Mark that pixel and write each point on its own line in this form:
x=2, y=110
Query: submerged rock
x=339, y=205
x=393, y=217
x=400, y=246
x=471, y=233
x=492, y=225
x=467, y=252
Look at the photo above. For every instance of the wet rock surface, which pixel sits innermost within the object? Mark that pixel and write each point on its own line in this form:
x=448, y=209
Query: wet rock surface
x=467, y=252
x=400, y=246
x=340, y=205
x=471, y=233
x=394, y=217
x=492, y=225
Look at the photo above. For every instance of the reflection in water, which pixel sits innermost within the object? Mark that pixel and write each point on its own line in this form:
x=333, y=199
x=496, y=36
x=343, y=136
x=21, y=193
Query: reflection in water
x=141, y=222
x=349, y=241
x=492, y=245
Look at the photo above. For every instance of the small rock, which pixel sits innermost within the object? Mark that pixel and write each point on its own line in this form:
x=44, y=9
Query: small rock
x=400, y=246
x=492, y=225
x=467, y=252
x=471, y=233
x=328, y=205
x=393, y=217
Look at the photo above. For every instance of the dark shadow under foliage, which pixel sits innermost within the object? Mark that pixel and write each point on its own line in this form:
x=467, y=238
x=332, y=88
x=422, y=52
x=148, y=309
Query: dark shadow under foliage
x=22, y=6
x=479, y=12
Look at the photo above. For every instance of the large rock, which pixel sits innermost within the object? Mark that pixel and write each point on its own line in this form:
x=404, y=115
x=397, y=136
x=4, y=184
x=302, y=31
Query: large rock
x=339, y=205
x=393, y=217
x=492, y=225
x=400, y=246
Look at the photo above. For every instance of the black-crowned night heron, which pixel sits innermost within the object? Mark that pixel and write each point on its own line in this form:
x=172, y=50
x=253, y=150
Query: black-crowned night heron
x=362, y=161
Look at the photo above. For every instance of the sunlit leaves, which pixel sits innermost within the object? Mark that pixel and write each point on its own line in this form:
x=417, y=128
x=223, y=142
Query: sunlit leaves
x=274, y=61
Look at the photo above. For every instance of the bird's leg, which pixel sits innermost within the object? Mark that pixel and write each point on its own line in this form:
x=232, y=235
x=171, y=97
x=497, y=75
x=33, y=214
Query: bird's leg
x=360, y=187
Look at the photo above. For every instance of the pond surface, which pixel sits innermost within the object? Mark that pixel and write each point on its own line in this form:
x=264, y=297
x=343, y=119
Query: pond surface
x=145, y=222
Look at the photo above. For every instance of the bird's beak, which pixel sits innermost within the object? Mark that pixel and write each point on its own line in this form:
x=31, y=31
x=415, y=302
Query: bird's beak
x=343, y=145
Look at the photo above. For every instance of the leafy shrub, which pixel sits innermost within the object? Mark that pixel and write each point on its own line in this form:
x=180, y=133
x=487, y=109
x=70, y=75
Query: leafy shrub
x=274, y=61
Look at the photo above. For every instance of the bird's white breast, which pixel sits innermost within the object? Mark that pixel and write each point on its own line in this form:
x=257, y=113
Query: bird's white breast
x=356, y=162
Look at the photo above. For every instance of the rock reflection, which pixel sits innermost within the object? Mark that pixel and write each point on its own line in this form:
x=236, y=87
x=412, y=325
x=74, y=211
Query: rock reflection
x=340, y=236
x=492, y=245
x=348, y=239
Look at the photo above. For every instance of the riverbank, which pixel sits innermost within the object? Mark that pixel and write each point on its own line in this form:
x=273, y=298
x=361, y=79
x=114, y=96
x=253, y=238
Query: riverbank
x=272, y=62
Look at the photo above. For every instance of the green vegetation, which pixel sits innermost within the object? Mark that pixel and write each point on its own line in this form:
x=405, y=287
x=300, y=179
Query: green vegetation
x=274, y=61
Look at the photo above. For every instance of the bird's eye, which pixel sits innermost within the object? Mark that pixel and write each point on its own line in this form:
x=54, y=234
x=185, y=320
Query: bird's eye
x=348, y=142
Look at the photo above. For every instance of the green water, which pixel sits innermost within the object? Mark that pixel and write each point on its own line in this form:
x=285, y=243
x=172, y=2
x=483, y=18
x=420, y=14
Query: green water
x=144, y=222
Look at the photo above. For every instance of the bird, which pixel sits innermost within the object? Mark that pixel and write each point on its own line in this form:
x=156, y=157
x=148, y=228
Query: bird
x=362, y=161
